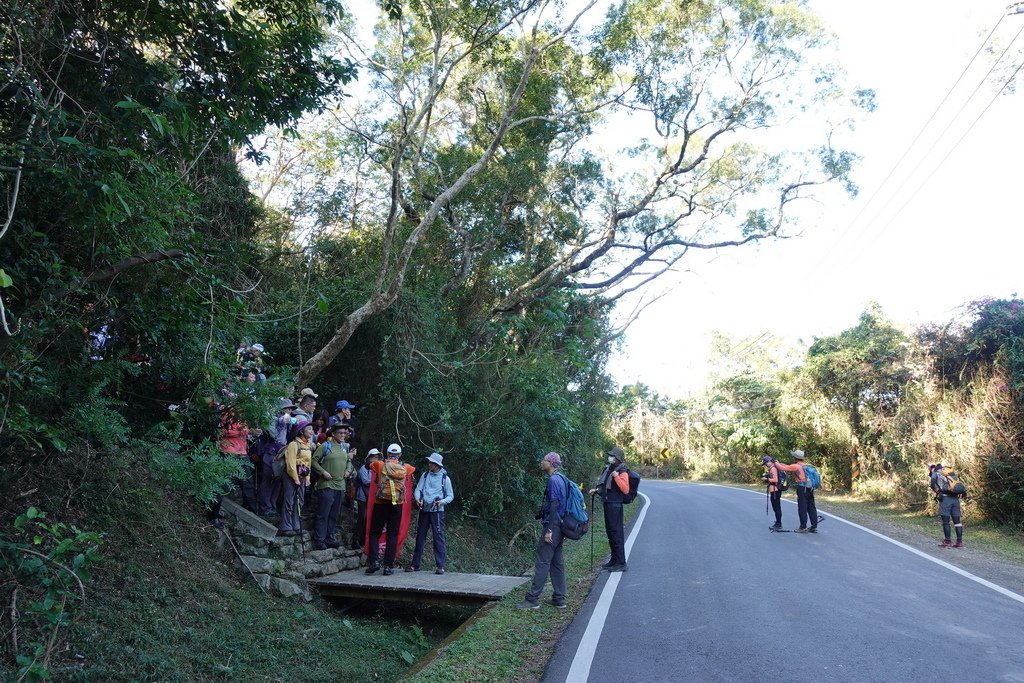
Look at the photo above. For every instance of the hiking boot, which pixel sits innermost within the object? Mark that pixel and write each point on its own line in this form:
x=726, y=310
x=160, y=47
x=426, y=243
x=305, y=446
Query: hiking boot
x=777, y=525
x=958, y=544
x=558, y=604
x=801, y=530
x=319, y=546
x=388, y=571
x=618, y=567
x=217, y=523
x=526, y=604
x=813, y=530
x=332, y=544
x=411, y=568
x=946, y=543
x=607, y=564
x=269, y=513
x=372, y=569
x=439, y=570
x=287, y=534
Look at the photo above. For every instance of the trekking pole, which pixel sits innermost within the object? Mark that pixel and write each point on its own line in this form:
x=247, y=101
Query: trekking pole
x=767, y=497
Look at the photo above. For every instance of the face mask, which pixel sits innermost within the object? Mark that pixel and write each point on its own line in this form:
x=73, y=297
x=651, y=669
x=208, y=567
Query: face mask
x=611, y=460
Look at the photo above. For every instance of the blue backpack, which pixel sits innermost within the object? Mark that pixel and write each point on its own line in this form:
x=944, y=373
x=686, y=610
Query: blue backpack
x=813, y=478
x=576, y=521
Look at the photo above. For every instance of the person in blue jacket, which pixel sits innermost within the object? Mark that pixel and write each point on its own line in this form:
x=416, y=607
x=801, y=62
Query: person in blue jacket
x=433, y=492
x=549, y=560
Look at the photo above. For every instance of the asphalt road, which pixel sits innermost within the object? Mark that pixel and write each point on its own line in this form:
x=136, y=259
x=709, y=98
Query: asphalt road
x=712, y=595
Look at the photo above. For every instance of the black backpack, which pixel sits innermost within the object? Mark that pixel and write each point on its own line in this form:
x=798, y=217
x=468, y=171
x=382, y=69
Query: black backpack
x=634, y=485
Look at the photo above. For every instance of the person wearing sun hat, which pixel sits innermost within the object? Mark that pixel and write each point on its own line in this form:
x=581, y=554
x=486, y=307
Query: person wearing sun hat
x=363, y=479
x=297, y=458
x=390, y=490
x=433, y=492
x=805, y=506
x=549, y=560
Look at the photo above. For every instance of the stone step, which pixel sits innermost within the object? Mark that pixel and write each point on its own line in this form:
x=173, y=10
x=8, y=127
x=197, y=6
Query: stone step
x=238, y=516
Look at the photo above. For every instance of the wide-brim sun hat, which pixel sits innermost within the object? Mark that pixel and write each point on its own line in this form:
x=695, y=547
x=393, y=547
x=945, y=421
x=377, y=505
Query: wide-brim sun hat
x=435, y=458
x=799, y=455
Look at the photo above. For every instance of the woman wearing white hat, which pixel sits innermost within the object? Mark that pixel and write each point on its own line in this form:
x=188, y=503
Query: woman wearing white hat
x=433, y=492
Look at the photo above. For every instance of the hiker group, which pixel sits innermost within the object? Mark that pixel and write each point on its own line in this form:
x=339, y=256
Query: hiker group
x=303, y=465
x=943, y=482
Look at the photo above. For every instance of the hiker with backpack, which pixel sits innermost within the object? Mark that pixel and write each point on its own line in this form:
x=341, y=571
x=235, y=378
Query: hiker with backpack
x=297, y=458
x=433, y=492
x=775, y=479
x=390, y=490
x=549, y=558
x=948, y=491
x=272, y=445
x=613, y=487
x=807, y=480
x=331, y=462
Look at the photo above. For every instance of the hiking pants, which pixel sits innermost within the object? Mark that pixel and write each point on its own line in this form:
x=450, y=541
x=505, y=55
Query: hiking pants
x=805, y=507
x=292, y=499
x=949, y=508
x=776, y=498
x=385, y=515
x=270, y=489
x=328, y=507
x=613, y=526
x=359, y=529
x=549, y=561
x=435, y=522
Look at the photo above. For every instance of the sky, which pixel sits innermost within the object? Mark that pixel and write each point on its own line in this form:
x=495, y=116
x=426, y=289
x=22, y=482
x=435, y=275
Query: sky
x=942, y=229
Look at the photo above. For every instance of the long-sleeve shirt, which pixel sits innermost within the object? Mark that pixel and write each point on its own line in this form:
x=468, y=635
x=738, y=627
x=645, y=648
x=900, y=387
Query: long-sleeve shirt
x=363, y=479
x=798, y=468
x=234, y=435
x=553, y=508
x=433, y=486
x=297, y=453
x=335, y=463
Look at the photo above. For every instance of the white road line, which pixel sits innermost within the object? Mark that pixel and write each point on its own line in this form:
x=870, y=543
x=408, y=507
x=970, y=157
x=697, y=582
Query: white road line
x=942, y=563
x=580, y=669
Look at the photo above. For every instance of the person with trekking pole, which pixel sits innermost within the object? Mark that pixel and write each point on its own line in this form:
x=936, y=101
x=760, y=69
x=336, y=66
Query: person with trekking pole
x=297, y=458
x=805, y=506
x=776, y=482
x=612, y=487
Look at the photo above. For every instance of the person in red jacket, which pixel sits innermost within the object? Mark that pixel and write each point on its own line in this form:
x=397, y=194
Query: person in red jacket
x=805, y=507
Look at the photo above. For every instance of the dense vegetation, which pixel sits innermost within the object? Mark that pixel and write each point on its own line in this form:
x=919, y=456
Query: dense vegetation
x=430, y=225
x=873, y=405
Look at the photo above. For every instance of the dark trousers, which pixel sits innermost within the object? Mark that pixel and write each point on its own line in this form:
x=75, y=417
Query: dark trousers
x=244, y=484
x=328, y=508
x=613, y=526
x=549, y=561
x=805, y=507
x=776, y=498
x=385, y=516
x=292, y=499
x=270, y=490
x=435, y=522
x=359, y=530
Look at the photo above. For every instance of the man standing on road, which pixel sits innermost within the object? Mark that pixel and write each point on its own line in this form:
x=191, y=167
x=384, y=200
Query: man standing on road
x=549, y=547
x=805, y=506
x=949, y=508
x=612, y=486
x=774, y=489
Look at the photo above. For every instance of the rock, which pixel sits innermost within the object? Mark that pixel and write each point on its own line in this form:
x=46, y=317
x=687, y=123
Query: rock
x=290, y=589
x=258, y=565
x=264, y=580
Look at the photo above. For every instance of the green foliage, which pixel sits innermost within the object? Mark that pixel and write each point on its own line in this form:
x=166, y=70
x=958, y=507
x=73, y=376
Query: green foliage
x=45, y=565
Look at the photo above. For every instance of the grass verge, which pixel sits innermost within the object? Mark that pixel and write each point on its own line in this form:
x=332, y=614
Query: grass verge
x=506, y=644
